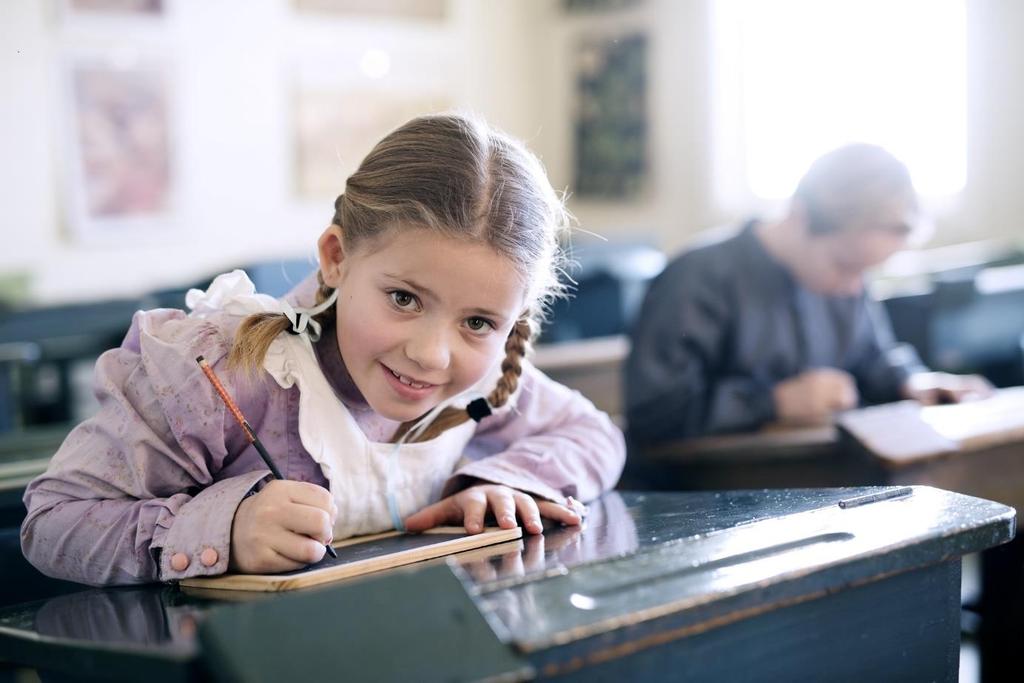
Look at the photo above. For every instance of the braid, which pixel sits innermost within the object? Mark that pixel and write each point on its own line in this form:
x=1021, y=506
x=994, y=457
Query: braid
x=254, y=336
x=516, y=347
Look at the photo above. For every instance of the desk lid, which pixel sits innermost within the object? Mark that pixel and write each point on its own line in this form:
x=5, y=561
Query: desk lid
x=697, y=558
x=705, y=556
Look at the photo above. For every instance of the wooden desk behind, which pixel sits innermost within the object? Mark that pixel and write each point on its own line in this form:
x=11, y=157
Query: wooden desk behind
x=771, y=458
x=975, y=448
x=591, y=366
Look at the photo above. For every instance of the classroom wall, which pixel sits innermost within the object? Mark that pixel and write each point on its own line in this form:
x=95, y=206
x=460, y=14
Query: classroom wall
x=512, y=62
x=232, y=65
x=681, y=201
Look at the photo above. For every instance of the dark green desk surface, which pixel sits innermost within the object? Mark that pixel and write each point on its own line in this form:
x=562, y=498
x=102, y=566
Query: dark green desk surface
x=650, y=578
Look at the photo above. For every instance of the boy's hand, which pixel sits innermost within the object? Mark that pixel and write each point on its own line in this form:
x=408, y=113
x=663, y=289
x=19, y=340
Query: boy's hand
x=814, y=395
x=281, y=528
x=931, y=388
x=468, y=507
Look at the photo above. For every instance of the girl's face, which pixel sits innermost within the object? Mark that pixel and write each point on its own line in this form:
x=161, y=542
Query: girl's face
x=421, y=317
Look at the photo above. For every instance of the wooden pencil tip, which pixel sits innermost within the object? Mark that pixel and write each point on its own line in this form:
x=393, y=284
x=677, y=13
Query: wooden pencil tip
x=200, y=359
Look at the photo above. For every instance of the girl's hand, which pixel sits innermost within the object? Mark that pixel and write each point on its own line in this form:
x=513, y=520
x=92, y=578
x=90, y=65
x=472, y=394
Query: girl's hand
x=468, y=507
x=281, y=528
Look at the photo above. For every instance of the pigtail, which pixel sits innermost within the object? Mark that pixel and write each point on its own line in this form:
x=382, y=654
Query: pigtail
x=254, y=336
x=258, y=331
x=516, y=347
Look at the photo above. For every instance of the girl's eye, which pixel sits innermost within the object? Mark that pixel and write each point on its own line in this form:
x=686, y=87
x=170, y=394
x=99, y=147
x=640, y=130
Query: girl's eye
x=479, y=324
x=402, y=299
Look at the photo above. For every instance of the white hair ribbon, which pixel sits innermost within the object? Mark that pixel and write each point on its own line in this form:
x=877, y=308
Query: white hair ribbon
x=235, y=294
x=302, y=318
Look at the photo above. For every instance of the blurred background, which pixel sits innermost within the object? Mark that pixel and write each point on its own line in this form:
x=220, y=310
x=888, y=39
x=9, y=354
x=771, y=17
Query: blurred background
x=150, y=144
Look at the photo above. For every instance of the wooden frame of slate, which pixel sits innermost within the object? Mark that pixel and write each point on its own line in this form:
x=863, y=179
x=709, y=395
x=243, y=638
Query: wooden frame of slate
x=362, y=555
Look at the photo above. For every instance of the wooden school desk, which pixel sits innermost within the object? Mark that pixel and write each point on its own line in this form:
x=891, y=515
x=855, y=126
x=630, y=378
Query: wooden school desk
x=591, y=366
x=830, y=584
x=970, y=447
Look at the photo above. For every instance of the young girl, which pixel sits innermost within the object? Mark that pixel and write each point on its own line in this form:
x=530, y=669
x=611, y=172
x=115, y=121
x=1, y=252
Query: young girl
x=395, y=394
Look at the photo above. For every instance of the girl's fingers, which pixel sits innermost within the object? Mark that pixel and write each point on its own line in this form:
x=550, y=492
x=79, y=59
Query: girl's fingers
x=470, y=506
x=529, y=513
x=576, y=506
x=308, y=521
x=298, y=549
x=503, y=506
x=441, y=512
x=473, y=503
x=307, y=493
x=559, y=513
x=280, y=563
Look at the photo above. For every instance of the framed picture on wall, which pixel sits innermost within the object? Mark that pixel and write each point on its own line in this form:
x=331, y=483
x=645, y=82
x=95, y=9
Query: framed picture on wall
x=419, y=10
x=610, y=128
x=591, y=6
x=336, y=128
x=106, y=9
x=120, y=142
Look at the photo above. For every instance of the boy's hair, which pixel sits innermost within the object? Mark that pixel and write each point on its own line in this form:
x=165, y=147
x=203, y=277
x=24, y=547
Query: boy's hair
x=455, y=174
x=850, y=181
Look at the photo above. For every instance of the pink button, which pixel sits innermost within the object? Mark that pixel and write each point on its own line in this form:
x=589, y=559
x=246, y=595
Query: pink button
x=179, y=562
x=208, y=557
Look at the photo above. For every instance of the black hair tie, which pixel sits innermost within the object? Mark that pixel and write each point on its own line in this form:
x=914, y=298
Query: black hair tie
x=478, y=409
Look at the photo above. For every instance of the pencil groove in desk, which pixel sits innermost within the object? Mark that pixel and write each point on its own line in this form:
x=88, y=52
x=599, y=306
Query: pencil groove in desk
x=779, y=556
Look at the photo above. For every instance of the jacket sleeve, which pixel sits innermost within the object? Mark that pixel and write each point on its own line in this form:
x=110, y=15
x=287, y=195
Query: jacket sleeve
x=879, y=363
x=673, y=386
x=135, y=484
x=551, y=443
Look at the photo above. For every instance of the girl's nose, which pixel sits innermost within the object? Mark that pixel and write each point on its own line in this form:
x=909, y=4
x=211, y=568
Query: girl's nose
x=429, y=348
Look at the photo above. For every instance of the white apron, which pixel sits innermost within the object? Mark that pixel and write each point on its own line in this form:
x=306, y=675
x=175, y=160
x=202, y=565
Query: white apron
x=361, y=473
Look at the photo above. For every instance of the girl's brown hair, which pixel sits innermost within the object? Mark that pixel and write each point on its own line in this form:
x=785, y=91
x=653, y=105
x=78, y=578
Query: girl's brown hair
x=457, y=175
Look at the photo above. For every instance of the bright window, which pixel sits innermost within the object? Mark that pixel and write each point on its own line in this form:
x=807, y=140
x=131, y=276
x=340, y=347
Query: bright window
x=796, y=78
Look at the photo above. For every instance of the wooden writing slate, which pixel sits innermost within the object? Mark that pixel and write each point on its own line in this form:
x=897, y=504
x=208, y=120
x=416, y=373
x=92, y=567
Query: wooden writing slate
x=362, y=555
x=905, y=432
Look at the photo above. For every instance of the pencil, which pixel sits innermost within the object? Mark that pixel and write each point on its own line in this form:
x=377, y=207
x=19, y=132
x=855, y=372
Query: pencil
x=875, y=497
x=246, y=427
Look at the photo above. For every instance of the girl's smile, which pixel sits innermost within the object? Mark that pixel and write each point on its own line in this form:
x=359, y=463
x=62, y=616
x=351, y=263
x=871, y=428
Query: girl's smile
x=421, y=317
x=406, y=387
